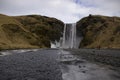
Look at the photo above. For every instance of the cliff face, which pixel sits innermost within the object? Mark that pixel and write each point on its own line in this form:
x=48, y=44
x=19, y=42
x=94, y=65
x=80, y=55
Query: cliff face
x=35, y=31
x=50, y=28
x=31, y=31
x=99, y=31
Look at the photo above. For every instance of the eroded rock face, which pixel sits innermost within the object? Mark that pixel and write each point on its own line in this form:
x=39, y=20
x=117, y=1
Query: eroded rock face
x=99, y=31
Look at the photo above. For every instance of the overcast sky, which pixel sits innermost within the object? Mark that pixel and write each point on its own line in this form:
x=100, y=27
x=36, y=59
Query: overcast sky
x=65, y=10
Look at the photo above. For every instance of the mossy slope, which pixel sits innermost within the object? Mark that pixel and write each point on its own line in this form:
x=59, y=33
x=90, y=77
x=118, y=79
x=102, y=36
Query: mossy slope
x=28, y=31
x=99, y=31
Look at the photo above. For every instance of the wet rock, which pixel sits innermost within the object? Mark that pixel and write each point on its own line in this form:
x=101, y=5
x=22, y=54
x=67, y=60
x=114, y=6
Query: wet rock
x=83, y=71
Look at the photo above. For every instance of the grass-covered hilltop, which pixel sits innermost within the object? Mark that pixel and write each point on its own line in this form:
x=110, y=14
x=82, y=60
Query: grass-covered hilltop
x=99, y=32
x=30, y=31
x=36, y=31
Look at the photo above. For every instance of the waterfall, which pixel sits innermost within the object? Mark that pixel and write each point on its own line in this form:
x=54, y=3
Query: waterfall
x=69, y=36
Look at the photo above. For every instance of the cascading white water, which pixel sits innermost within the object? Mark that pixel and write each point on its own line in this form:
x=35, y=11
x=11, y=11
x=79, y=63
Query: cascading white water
x=73, y=36
x=69, y=36
x=64, y=38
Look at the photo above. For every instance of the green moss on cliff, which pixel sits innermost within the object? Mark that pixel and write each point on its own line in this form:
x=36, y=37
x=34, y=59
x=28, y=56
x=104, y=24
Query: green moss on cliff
x=32, y=31
x=42, y=25
x=100, y=31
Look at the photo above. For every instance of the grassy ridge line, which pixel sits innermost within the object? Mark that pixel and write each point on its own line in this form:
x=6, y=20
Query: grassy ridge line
x=28, y=31
x=99, y=32
x=11, y=34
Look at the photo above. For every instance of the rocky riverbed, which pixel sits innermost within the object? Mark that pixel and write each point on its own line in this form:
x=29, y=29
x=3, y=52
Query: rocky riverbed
x=83, y=66
x=30, y=65
x=58, y=64
x=105, y=56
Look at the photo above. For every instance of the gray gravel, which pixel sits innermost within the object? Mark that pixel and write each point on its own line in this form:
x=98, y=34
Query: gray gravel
x=36, y=65
x=106, y=56
x=45, y=64
x=82, y=65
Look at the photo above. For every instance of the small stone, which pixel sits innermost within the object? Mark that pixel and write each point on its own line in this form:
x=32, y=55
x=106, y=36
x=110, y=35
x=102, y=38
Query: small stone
x=83, y=71
x=79, y=66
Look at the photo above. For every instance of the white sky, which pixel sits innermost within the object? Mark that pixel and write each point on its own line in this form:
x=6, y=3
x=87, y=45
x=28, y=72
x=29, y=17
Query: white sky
x=66, y=10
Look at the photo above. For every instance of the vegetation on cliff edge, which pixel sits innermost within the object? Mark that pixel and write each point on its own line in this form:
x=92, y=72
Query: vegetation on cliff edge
x=99, y=31
x=31, y=31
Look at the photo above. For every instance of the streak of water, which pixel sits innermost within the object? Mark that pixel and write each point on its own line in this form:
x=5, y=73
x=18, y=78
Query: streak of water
x=69, y=36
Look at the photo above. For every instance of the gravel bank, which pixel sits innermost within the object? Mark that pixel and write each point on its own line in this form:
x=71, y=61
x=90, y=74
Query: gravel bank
x=106, y=56
x=31, y=65
x=80, y=67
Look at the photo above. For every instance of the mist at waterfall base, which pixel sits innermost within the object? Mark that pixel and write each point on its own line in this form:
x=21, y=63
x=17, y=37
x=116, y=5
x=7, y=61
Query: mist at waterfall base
x=70, y=39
